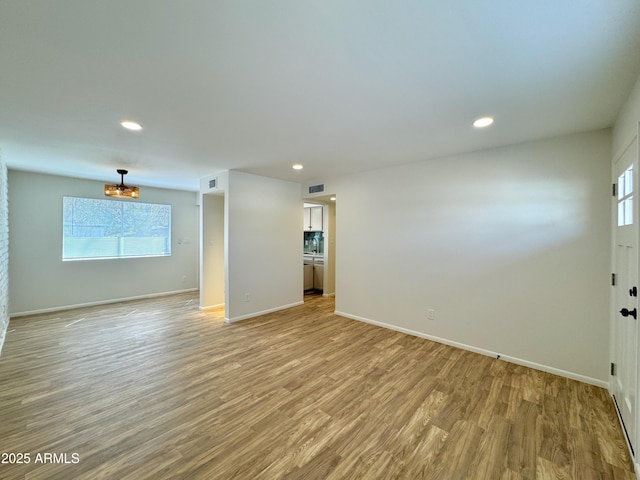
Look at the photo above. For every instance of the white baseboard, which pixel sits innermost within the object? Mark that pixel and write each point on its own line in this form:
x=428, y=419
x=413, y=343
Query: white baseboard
x=101, y=302
x=211, y=307
x=518, y=361
x=263, y=312
x=636, y=465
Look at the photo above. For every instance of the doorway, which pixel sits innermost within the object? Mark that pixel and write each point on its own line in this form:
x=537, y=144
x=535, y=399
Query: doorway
x=212, y=251
x=323, y=267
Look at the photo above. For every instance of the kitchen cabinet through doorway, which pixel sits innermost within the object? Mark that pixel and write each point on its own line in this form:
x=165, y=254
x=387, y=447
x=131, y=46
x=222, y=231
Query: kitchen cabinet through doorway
x=312, y=219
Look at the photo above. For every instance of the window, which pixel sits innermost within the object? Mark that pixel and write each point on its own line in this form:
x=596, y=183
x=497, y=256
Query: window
x=625, y=197
x=94, y=228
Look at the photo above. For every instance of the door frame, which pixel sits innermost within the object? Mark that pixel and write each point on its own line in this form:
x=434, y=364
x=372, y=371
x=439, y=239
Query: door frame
x=615, y=314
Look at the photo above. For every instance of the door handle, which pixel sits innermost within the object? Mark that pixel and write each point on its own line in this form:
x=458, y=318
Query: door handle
x=625, y=313
x=633, y=291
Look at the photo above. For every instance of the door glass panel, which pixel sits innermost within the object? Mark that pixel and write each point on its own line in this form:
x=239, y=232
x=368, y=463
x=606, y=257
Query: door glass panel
x=625, y=197
x=628, y=211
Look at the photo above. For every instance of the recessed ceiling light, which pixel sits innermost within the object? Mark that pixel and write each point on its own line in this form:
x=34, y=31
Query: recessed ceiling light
x=483, y=122
x=129, y=125
x=333, y=199
x=297, y=166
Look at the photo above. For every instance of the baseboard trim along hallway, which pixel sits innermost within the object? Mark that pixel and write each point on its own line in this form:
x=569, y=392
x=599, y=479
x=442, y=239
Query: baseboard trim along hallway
x=470, y=348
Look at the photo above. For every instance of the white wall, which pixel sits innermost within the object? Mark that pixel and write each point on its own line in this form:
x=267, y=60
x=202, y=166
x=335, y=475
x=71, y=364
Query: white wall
x=509, y=246
x=625, y=129
x=212, y=251
x=263, y=245
x=41, y=281
x=4, y=252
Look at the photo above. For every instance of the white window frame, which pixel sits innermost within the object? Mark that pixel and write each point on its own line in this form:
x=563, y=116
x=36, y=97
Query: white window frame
x=102, y=238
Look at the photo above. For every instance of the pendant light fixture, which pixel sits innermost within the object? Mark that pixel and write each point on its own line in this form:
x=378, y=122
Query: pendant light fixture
x=122, y=190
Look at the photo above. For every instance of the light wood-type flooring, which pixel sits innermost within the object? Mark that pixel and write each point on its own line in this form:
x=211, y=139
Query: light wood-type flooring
x=158, y=389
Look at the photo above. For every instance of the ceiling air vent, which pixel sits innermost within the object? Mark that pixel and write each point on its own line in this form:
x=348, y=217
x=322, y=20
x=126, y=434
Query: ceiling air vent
x=212, y=183
x=316, y=188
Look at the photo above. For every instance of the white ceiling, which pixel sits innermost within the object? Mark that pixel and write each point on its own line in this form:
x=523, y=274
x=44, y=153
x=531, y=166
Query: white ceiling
x=337, y=85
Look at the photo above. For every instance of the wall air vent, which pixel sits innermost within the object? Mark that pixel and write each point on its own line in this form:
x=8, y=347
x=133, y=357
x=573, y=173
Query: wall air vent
x=212, y=183
x=316, y=188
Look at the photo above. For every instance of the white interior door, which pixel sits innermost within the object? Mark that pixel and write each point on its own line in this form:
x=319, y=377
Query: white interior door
x=625, y=323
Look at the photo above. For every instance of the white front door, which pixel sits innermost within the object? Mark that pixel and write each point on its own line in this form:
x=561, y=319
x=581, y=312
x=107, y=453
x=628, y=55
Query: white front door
x=625, y=323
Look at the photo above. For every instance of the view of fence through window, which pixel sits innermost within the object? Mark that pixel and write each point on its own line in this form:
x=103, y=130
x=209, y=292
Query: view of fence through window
x=94, y=228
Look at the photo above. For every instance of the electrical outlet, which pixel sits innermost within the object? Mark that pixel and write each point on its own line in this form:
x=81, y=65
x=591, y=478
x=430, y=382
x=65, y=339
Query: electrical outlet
x=246, y=297
x=431, y=314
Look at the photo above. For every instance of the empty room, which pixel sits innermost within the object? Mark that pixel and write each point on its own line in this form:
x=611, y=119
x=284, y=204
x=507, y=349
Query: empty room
x=319, y=240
